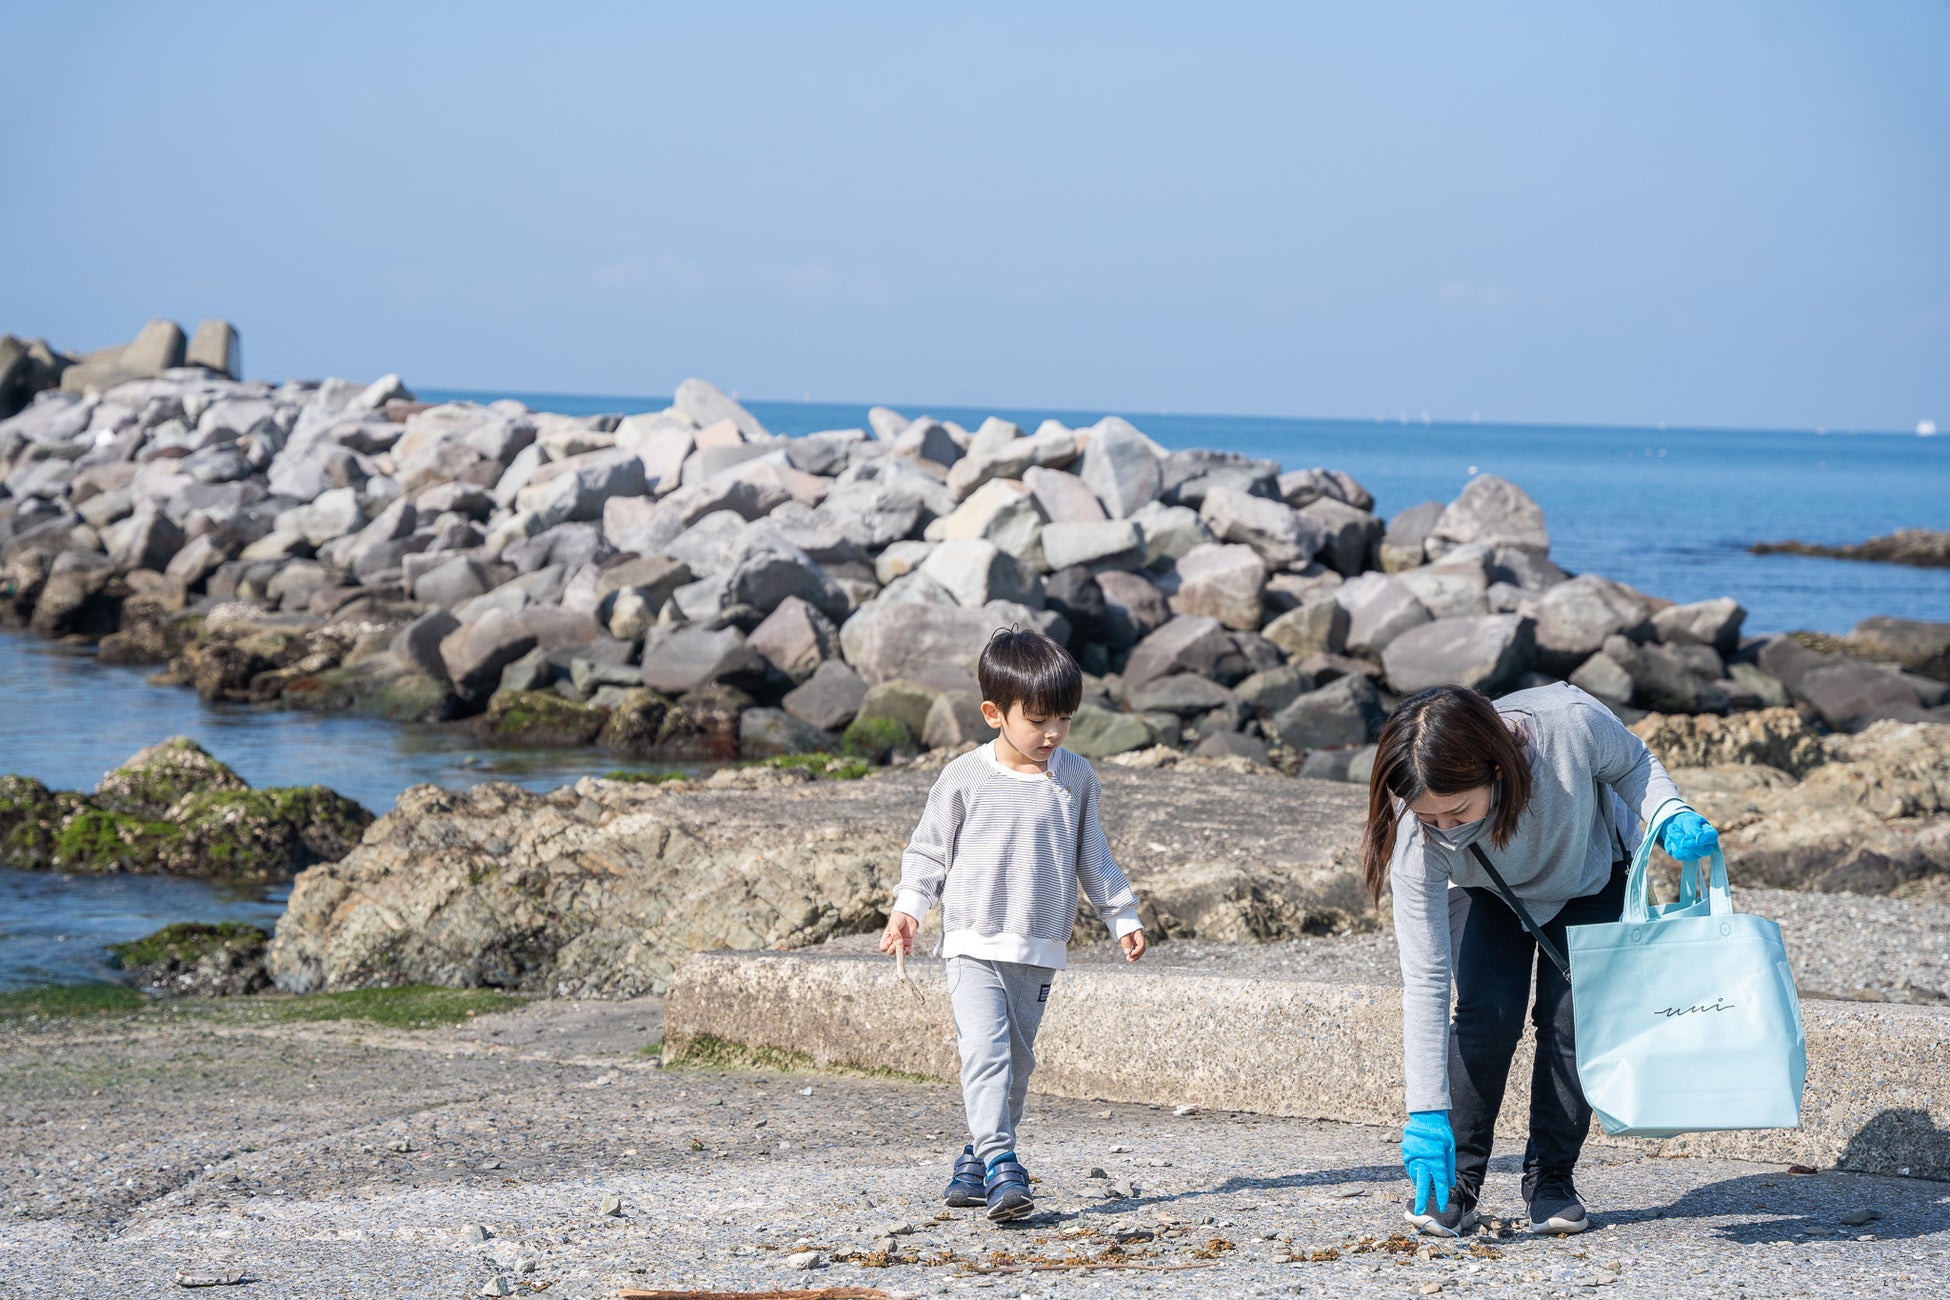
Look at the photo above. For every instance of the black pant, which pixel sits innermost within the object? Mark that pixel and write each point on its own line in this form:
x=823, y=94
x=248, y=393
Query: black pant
x=1494, y=956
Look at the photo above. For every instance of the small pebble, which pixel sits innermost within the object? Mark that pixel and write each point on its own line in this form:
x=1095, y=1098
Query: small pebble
x=805, y=1259
x=497, y=1285
x=1856, y=1218
x=399, y=1144
x=1155, y=1163
x=1096, y=1171
x=490, y=1164
x=805, y=1092
x=886, y=1245
x=210, y=1277
x=525, y=1266
x=1184, y=1110
x=1431, y=1288
x=898, y=1229
x=474, y=1234
x=1103, y=1114
x=611, y=1205
x=1120, y=1150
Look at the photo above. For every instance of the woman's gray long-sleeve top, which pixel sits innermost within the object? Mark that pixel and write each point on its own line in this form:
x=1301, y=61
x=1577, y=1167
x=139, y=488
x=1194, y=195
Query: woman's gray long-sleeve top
x=1587, y=776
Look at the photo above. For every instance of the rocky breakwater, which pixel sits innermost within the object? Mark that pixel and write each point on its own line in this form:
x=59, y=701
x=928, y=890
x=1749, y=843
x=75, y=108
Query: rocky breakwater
x=601, y=888
x=681, y=583
x=172, y=809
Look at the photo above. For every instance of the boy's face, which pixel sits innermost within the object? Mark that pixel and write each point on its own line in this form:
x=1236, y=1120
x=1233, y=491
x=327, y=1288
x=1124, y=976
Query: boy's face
x=1034, y=735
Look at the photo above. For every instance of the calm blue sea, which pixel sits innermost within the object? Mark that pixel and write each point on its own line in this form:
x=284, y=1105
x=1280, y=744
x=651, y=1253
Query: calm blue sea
x=1670, y=511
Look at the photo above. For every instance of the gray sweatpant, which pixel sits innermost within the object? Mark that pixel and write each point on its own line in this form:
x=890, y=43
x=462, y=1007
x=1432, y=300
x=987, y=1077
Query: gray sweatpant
x=998, y=1007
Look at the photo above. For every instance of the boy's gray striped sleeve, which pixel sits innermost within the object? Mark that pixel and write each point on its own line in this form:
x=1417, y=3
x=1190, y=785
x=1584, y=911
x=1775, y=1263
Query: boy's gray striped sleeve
x=924, y=864
x=1103, y=881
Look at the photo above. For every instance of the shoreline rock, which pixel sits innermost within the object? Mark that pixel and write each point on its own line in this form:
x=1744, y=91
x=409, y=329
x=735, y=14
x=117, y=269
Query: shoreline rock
x=670, y=583
x=174, y=810
x=1923, y=548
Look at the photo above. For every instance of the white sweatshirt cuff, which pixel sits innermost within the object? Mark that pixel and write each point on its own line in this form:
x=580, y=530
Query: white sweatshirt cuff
x=912, y=902
x=1125, y=921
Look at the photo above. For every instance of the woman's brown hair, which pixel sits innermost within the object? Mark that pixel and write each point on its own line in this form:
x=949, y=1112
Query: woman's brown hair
x=1444, y=740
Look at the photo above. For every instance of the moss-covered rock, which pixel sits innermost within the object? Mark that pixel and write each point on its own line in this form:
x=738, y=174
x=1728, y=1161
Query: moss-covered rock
x=876, y=739
x=540, y=718
x=156, y=778
x=194, y=959
x=175, y=810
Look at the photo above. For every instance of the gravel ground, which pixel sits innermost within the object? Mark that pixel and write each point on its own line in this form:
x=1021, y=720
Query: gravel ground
x=1850, y=946
x=340, y=1159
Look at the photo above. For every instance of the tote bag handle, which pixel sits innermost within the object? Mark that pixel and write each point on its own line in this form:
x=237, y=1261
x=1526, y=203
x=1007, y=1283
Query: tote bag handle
x=1638, y=885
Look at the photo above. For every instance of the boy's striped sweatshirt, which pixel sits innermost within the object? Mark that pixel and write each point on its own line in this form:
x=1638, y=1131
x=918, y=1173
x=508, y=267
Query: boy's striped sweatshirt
x=1003, y=852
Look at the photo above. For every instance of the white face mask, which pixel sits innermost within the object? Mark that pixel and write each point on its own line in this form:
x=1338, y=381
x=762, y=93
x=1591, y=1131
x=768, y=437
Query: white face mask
x=1463, y=834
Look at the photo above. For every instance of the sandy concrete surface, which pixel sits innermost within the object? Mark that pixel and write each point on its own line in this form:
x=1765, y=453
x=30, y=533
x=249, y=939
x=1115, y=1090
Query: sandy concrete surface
x=341, y=1159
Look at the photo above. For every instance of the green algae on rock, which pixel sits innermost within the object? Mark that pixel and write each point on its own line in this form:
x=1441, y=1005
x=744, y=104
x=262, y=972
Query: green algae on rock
x=540, y=718
x=173, y=809
x=196, y=959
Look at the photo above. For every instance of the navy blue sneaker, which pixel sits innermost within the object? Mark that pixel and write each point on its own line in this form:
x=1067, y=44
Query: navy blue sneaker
x=965, y=1188
x=1007, y=1189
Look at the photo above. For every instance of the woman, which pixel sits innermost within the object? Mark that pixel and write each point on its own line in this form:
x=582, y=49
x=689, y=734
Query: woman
x=1551, y=789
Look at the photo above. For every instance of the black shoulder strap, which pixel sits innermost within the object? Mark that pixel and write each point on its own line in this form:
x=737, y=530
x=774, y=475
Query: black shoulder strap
x=1523, y=913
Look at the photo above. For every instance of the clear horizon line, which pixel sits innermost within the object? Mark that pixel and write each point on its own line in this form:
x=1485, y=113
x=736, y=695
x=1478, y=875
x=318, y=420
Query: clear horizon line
x=1134, y=415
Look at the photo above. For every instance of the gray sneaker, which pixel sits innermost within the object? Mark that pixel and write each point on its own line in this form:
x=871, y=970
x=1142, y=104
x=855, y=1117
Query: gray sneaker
x=1459, y=1218
x=1555, y=1209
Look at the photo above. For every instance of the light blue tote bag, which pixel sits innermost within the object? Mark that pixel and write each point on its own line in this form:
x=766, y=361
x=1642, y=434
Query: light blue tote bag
x=1686, y=1015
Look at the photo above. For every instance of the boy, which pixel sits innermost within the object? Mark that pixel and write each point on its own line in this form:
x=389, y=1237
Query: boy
x=1009, y=833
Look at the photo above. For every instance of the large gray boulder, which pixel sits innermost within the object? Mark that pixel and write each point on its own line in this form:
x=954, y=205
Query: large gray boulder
x=1001, y=511
x=765, y=569
x=576, y=488
x=1318, y=626
x=795, y=638
x=1919, y=646
x=1663, y=681
x=929, y=440
x=873, y=514
x=1113, y=543
x=1303, y=487
x=1097, y=732
x=706, y=405
x=1706, y=622
x=1014, y=458
x=1494, y=512
x=1605, y=678
x=1848, y=693
x=475, y=653
x=765, y=733
x=1120, y=467
x=888, y=639
x=147, y=539
x=1284, y=538
x=1186, y=476
x=1449, y=588
x=681, y=659
x=1576, y=618
x=1133, y=608
x=1189, y=643
x=450, y=582
x=1379, y=609
x=1065, y=498
x=1171, y=531
x=1224, y=582
x=1350, y=538
x=418, y=643
x=1487, y=654
x=1346, y=711
x=976, y=572
x=829, y=698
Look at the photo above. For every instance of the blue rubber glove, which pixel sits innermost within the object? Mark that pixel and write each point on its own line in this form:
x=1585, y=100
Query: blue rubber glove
x=1688, y=837
x=1429, y=1155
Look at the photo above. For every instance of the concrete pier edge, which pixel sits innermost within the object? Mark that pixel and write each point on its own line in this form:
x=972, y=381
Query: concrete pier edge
x=1877, y=1098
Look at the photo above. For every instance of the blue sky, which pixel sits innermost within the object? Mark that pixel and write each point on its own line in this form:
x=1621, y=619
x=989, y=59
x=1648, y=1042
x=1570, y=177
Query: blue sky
x=1726, y=214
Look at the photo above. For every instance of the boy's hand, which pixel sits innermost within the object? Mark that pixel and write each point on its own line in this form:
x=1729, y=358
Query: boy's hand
x=899, y=934
x=1133, y=945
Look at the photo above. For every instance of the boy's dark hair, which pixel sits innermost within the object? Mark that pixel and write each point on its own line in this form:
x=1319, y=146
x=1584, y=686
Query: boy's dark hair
x=1027, y=667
